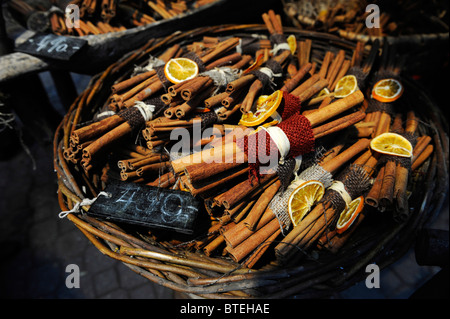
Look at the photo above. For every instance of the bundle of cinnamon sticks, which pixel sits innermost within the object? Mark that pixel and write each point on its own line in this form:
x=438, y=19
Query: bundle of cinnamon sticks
x=356, y=20
x=104, y=16
x=214, y=160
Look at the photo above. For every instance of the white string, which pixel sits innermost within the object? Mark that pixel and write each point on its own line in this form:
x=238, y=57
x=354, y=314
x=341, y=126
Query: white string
x=5, y=119
x=280, y=46
x=222, y=76
x=280, y=139
x=298, y=163
x=239, y=46
x=145, y=109
x=216, y=110
x=153, y=62
x=267, y=71
x=339, y=187
x=84, y=202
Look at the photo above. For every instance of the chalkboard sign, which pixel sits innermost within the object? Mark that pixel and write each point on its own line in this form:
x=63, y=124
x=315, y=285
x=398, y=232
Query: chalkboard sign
x=147, y=206
x=52, y=46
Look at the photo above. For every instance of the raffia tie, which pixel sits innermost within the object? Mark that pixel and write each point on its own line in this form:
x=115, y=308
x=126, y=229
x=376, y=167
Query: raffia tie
x=152, y=64
x=354, y=181
x=279, y=43
x=221, y=77
x=279, y=204
x=267, y=73
x=138, y=114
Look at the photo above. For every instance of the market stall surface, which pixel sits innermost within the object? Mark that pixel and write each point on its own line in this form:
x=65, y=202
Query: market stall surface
x=37, y=246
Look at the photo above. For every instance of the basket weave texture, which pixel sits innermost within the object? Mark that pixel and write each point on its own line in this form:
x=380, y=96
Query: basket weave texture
x=319, y=273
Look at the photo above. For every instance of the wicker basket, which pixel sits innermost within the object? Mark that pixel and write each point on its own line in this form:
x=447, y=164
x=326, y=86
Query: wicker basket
x=381, y=241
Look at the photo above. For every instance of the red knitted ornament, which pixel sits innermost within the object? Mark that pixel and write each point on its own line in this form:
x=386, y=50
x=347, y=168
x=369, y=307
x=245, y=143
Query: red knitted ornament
x=290, y=105
x=252, y=144
x=300, y=134
x=298, y=131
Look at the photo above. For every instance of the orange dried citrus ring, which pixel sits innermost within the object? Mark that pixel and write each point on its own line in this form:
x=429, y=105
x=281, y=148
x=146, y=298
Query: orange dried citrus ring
x=392, y=144
x=178, y=70
x=258, y=62
x=346, y=86
x=292, y=42
x=202, y=110
x=387, y=90
x=303, y=198
x=322, y=92
x=349, y=215
x=266, y=106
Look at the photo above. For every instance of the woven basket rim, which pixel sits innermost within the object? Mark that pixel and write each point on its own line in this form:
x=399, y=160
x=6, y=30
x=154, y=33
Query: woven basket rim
x=228, y=276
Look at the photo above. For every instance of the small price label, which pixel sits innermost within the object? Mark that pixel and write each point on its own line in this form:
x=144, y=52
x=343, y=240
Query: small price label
x=52, y=46
x=149, y=206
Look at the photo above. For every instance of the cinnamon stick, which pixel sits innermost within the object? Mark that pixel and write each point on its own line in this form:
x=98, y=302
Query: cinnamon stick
x=419, y=160
x=373, y=196
x=387, y=187
x=335, y=67
x=236, y=193
x=335, y=108
x=199, y=172
x=335, y=163
x=118, y=87
x=338, y=124
x=260, y=250
x=305, y=85
x=422, y=143
x=295, y=80
x=260, y=206
x=252, y=242
x=95, y=129
x=215, y=181
x=325, y=64
x=233, y=151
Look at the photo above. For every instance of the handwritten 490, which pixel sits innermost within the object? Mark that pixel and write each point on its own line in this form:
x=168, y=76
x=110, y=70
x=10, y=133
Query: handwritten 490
x=172, y=207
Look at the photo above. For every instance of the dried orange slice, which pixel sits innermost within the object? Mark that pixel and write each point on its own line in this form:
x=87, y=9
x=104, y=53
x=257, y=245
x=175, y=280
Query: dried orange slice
x=292, y=42
x=258, y=62
x=266, y=106
x=392, y=144
x=322, y=92
x=349, y=215
x=345, y=86
x=387, y=90
x=322, y=15
x=180, y=69
x=303, y=198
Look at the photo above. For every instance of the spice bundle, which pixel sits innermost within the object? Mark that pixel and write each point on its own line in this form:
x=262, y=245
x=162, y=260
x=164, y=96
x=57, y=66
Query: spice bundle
x=290, y=145
x=99, y=16
x=348, y=18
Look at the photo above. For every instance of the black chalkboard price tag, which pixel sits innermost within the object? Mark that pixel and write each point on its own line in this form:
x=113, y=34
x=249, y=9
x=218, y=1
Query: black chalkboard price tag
x=148, y=206
x=52, y=46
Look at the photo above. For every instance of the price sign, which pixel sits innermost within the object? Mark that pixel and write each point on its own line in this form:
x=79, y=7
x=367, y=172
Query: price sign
x=147, y=206
x=52, y=46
